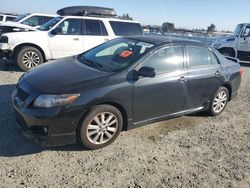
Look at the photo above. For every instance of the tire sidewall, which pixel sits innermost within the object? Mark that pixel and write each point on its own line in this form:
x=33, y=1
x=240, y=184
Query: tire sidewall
x=21, y=53
x=82, y=130
x=211, y=109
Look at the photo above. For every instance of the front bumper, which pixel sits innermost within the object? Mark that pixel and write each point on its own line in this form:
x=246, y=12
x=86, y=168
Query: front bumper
x=46, y=127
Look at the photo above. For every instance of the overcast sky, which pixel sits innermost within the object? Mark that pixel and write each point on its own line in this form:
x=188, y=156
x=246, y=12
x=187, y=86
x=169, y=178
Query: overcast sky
x=225, y=14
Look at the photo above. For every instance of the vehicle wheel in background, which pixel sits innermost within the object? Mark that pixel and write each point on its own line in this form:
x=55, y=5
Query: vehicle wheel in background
x=227, y=52
x=100, y=127
x=219, y=101
x=28, y=58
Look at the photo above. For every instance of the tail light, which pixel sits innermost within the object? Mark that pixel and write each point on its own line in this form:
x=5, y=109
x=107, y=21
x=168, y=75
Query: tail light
x=241, y=71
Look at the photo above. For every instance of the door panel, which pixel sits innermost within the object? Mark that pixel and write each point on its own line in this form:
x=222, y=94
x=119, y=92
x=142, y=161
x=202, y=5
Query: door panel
x=165, y=93
x=243, y=43
x=159, y=96
x=204, y=76
x=201, y=85
x=69, y=39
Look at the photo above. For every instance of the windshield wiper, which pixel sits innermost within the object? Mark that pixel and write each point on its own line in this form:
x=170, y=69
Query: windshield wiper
x=97, y=65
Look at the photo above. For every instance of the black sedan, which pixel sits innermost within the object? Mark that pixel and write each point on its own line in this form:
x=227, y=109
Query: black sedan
x=119, y=85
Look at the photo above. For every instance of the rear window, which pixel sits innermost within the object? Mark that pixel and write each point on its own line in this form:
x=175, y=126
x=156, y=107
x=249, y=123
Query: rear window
x=125, y=28
x=1, y=18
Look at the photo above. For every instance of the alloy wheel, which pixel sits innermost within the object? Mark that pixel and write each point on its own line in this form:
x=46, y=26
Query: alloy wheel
x=102, y=128
x=220, y=101
x=31, y=59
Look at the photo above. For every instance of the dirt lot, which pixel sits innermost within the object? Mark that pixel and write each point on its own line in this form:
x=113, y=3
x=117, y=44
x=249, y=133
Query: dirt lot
x=192, y=151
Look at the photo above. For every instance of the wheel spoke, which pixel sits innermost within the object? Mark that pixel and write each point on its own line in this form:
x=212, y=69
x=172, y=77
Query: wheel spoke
x=96, y=137
x=111, y=129
x=97, y=120
x=112, y=122
x=91, y=127
x=101, y=138
x=108, y=134
x=103, y=118
x=93, y=132
x=109, y=118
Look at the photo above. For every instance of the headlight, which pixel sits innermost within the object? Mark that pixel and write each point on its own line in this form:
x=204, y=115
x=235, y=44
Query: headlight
x=48, y=101
x=4, y=39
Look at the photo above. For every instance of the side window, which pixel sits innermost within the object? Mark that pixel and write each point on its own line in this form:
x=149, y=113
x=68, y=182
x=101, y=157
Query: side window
x=10, y=18
x=166, y=60
x=126, y=28
x=246, y=32
x=46, y=19
x=198, y=56
x=70, y=27
x=32, y=21
x=95, y=27
x=1, y=18
x=214, y=59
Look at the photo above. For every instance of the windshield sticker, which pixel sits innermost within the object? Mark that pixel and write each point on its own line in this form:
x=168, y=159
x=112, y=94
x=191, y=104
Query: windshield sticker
x=126, y=54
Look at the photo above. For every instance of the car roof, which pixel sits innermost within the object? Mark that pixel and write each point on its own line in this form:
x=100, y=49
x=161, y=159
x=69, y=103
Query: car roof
x=101, y=18
x=161, y=40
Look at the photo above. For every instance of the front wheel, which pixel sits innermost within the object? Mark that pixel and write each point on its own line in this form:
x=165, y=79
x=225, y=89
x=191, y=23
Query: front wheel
x=28, y=58
x=100, y=127
x=219, y=101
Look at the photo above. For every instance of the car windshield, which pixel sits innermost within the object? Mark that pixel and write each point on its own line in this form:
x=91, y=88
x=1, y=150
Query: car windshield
x=20, y=17
x=115, y=55
x=237, y=30
x=48, y=25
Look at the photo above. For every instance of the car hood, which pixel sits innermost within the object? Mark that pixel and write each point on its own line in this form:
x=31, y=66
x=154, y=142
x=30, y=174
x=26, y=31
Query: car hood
x=17, y=25
x=66, y=75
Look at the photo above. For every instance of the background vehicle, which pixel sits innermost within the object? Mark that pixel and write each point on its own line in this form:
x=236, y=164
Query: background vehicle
x=25, y=22
x=122, y=84
x=238, y=45
x=7, y=17
x=64, y=36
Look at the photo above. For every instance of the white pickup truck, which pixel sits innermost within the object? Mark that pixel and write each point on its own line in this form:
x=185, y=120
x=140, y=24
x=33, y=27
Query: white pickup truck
x=25, y=22
x=237, y=45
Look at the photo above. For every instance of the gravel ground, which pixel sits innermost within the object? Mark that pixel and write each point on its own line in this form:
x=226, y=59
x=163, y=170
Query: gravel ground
x=191, y=151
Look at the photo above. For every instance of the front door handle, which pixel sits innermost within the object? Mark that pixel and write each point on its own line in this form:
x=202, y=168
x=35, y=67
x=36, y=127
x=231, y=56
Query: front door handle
x=183, y=79
x=76, y=39
x=217, y=73
x=106, y=40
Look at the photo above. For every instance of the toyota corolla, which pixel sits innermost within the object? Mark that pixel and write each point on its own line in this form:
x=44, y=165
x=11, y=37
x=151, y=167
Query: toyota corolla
x=119, y=85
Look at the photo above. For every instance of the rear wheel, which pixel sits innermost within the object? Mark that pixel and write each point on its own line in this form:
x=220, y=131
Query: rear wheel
x=100, y=127
x=28, y=58
x=219, y=101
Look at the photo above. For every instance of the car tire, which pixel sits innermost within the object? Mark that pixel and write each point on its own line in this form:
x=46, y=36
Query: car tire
x=219, y=101
x=28, y=58
x=100, y=127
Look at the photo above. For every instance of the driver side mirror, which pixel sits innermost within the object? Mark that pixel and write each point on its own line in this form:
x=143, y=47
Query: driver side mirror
x=146, y=72
x=55, y=31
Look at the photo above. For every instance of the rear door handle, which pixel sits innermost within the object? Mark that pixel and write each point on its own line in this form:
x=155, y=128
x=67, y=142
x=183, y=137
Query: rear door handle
x=106, y=40
x=76, y=39
x=183, y=79
x=217, y=73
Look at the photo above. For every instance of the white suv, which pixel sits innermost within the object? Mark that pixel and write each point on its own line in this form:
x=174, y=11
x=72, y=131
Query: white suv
x=63, y=36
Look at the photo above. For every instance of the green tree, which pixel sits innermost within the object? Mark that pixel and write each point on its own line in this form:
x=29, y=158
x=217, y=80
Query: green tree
x=126, y=17
x=211, y=28
x=168, y=27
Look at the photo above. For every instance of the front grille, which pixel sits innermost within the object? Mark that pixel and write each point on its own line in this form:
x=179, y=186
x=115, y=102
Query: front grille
x=22, y=95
